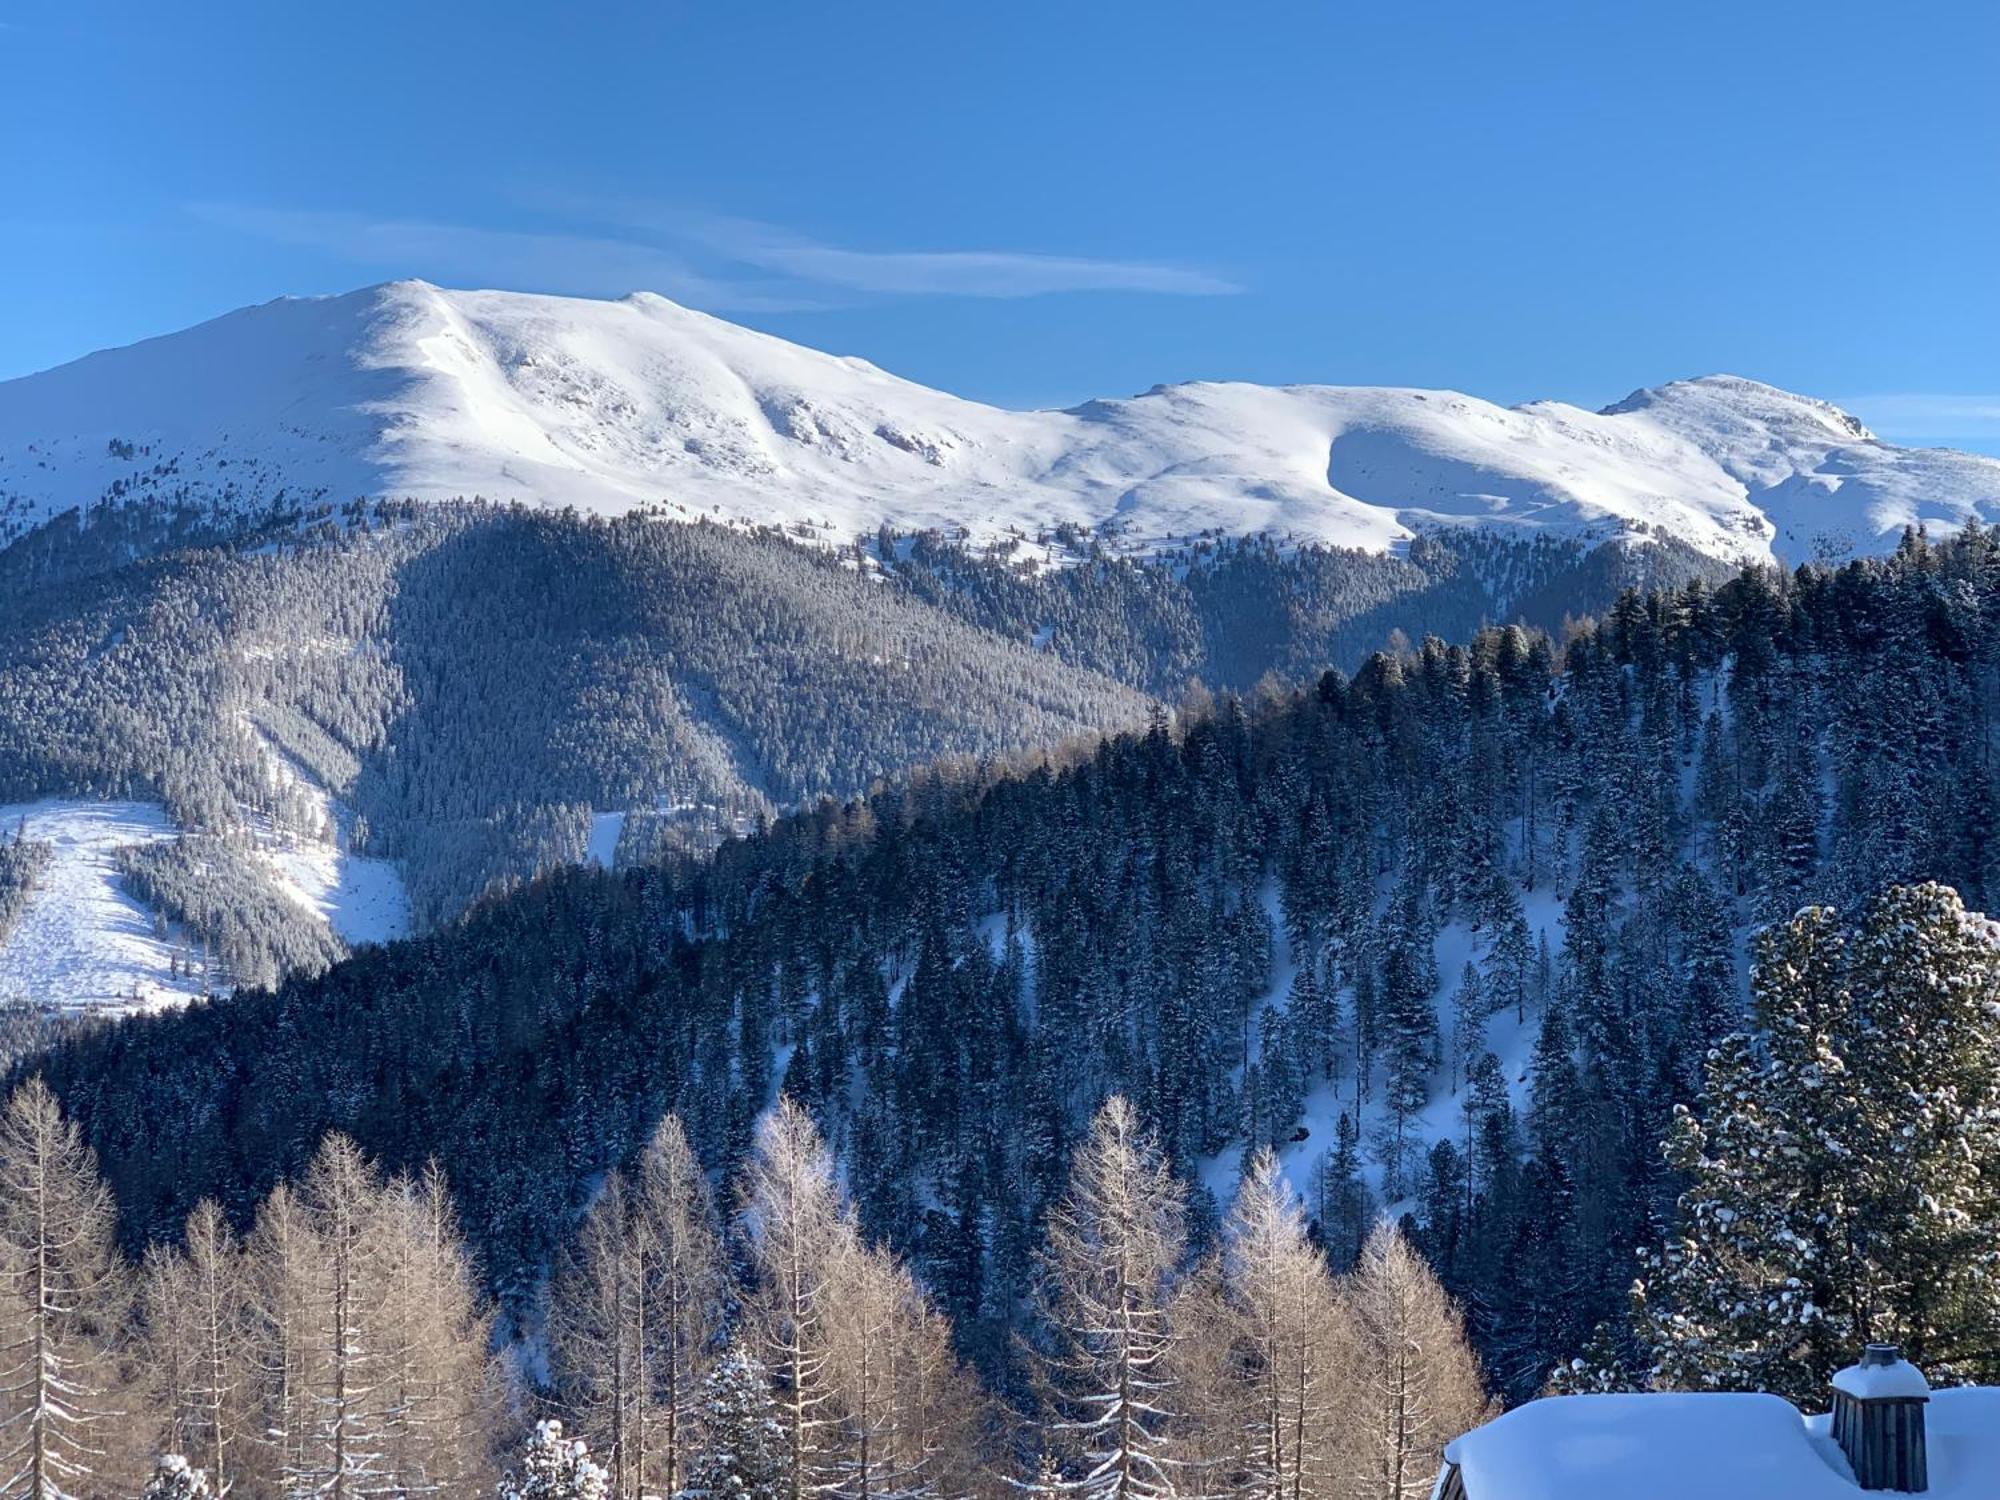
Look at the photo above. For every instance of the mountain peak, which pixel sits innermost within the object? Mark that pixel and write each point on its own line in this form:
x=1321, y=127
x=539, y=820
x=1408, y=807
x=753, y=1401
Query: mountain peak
x=410, y=389
x=1742, y=398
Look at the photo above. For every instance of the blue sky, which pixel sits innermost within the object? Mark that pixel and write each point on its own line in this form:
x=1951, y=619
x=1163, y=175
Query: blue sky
x=1037, y=203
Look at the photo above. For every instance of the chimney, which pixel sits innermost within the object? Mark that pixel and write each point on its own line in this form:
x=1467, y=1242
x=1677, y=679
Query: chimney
x=1878, y=1420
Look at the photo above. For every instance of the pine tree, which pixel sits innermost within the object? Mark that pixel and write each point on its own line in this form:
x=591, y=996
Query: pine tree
x=1510, y=967
x=1346, y=1206
x=1840, y=1179
x=1470, y=1010
x=555, y=1468
x=1924, y=1158
x=744, y=1450
x=1600, y=1370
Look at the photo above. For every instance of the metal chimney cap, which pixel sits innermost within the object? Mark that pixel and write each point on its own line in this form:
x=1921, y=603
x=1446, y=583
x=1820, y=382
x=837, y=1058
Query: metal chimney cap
x=1882, y=1374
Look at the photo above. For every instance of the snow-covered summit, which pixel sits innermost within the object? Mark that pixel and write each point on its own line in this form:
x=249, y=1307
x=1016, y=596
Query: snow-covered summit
x=408, y=389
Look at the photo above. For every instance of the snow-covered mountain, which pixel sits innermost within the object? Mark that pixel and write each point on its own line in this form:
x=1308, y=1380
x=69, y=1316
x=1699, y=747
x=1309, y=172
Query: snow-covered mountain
x=406, y=389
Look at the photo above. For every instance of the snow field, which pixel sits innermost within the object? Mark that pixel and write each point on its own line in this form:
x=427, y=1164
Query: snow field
x=361, y=899
x=83, y=941
x=410, y=390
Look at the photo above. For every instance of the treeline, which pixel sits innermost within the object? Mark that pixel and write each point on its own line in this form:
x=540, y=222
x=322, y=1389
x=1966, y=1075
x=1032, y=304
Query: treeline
x=340, y=1347
x=1468, y=922
x=1230, y=611
x=472, y=680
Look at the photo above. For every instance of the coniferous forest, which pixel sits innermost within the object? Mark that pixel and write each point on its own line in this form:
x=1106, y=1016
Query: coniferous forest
x=1072, y=753
x=1522, y=1001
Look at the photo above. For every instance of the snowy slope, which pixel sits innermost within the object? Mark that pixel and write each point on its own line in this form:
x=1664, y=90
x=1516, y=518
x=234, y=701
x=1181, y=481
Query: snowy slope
x=85, y=942
x=410, y=390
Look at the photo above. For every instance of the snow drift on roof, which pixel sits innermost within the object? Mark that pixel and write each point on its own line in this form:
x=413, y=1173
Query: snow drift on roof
x=1663, y=1446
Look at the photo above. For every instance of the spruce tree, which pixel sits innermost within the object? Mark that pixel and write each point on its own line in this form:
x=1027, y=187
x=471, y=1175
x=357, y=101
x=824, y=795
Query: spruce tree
x=555, y=1468
x=1842, y=1179
x=743, y=1451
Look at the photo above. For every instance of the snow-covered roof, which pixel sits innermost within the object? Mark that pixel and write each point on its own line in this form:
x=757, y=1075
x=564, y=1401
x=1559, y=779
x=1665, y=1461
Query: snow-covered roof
x=1661, y=1446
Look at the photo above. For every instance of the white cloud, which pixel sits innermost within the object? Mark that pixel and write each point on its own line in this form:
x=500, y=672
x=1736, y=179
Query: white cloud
x=960, y=273
x=505, y=258
x=706, y=260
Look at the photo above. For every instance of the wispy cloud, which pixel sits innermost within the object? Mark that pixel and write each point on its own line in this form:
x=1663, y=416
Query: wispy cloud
x=1933, y=415
x=590, y=265
x=953, y=273
x=707, y=260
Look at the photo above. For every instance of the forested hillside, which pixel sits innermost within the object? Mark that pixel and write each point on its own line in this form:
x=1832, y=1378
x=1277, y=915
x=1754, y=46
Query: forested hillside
x=478, y=694
x=1454, y=933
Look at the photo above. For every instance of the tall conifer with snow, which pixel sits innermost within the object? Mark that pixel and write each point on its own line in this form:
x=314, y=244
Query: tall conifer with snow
x=64, y=1294
x=1114, y=1244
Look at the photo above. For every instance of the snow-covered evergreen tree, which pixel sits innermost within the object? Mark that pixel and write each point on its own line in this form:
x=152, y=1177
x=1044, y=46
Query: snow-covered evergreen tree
x=1842, y=1185
x=1923, y=1164
x=554, y=1467
x=743, y=1451
x=1598, y=1371
x=174, y=1478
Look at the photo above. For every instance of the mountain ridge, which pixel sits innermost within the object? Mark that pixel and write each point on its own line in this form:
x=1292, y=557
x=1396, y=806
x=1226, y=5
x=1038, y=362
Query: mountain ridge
x=409, y=390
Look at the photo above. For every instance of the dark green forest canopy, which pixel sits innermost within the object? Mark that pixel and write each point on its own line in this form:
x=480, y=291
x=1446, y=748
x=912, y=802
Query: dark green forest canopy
x=473, y=682
x=954, y=971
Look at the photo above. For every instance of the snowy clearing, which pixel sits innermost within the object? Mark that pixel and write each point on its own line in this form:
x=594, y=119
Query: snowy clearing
x=361, y=899
x=82, y=941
